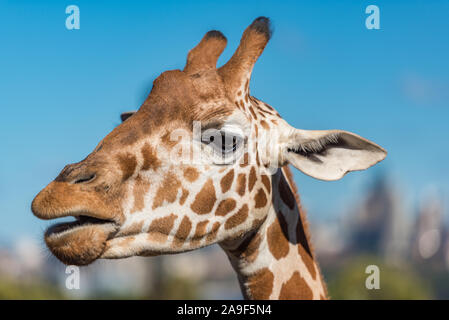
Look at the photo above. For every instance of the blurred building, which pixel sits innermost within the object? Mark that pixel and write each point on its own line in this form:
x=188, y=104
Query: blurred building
x=378, y=224
x=430, y=241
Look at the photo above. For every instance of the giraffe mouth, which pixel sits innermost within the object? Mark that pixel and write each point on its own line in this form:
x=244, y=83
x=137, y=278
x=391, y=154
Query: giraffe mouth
x=79, y=242
x=80, y=221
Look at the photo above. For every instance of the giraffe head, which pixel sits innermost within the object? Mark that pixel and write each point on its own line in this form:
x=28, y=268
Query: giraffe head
x=192, y=166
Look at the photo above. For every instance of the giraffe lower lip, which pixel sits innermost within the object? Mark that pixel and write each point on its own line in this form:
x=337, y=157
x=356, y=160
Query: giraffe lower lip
x=79, y=242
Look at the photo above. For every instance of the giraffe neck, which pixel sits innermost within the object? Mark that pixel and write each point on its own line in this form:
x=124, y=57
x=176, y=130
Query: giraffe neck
x=276, y=261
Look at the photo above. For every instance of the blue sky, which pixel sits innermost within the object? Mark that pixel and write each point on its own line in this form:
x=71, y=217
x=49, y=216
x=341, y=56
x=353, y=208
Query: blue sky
x=62, y=91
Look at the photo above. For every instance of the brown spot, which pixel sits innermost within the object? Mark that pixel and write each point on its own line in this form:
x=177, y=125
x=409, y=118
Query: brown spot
x=258, y=222
x=246, y=98
x=273, y=121
x=256, y=128
x=135, y=228
x=264, y=110
x=239, y=93
x=128, y=164
x=252, y=112
x=191, y=174
x=295, y=288
x=286, y=193
x=257, y=157
x=161, y=227
x=183, y=232
x=225, y=207
x=268, y=106
x=277, y=237
x=184, y=195
x=213, y=232
x=125, y=242
x=265, y=125
x=260, y=198
x=304, y=249
x=150, y=159
x=253, y=134
x=205, y=199
x=241, y=184
x=237, y=104
x=168, y=190
x=252, y=178
x=260, y=284
x=200, y=231
x=226, y=181
x=129, y=137
x=167, y=140
x=140, y=189
x=237, y=218
x=245, y=160
x=266, y=182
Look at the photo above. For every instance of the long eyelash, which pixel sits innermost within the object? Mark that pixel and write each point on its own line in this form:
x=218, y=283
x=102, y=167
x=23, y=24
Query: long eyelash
x=315, y=146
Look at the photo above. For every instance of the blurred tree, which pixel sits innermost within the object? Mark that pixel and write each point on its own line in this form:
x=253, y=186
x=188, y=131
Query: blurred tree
x=173, y=288
x=10, y=289
x=395, y=283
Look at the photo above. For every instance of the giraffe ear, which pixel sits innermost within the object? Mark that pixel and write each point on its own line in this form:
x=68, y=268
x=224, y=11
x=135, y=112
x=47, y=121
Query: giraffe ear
x=126, y=115
x=330, y=154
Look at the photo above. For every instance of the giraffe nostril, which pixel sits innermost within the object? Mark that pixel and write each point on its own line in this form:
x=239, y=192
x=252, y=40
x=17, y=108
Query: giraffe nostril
x=85, y=178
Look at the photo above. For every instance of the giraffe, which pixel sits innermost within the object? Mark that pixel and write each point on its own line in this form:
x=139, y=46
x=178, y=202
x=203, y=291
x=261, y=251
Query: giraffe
x=203, y=162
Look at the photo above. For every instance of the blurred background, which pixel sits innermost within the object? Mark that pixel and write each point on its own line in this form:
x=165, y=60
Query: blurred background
x=62, y=91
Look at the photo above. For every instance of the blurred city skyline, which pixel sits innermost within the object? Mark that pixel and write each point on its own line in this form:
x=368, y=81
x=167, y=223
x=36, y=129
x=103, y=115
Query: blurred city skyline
x=412, y=252
x=63, y=91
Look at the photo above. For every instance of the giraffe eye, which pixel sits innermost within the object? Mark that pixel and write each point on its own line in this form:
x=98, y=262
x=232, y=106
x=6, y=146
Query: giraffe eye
x=223, y=144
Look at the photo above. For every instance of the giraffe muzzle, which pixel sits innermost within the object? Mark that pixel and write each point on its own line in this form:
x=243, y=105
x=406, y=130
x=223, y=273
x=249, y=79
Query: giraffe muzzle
x=83, y=240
